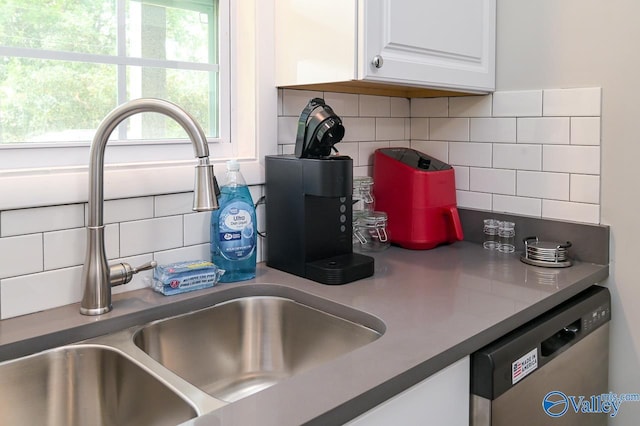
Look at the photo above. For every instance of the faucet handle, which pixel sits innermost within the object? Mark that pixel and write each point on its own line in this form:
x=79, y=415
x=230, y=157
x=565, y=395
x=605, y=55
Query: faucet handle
x=122, y=273
x=145, y=266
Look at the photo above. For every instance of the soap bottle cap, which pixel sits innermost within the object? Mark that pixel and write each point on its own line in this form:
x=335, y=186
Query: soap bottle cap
x=233, y=165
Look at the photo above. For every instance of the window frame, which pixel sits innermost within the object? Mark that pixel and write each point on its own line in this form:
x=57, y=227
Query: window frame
x=74, y=153
x=253, y=132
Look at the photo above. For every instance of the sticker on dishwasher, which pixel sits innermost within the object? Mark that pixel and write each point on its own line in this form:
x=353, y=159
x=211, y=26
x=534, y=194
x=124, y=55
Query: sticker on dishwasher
x=524, y=365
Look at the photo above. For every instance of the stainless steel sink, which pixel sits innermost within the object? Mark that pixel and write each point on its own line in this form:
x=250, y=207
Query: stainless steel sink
x=85, y=385
x=241, y=346
x=240, y=341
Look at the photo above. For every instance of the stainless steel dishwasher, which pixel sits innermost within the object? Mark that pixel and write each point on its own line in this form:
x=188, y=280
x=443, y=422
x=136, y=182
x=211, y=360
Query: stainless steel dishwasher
x=551, y=371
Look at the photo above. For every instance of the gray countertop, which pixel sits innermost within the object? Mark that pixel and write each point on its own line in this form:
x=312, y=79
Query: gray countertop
x=437, y=306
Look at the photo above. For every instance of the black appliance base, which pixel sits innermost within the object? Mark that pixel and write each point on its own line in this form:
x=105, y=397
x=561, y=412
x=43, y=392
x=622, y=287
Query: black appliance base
x=340, y=269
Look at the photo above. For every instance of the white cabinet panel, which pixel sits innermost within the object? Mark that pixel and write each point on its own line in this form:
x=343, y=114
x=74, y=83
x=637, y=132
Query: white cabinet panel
x=441, y=399
x=422, y=43
x=429, y=42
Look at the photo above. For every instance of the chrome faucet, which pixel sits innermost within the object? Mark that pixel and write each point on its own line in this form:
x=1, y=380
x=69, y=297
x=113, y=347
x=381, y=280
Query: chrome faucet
x=97, y=276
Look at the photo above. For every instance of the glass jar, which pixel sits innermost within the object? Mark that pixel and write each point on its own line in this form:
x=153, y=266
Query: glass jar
x=362, y=194
x=506, y=237
x=370, y=231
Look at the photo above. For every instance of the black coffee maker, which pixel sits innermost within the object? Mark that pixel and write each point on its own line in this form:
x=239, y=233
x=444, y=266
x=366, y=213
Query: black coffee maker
x=309, y=204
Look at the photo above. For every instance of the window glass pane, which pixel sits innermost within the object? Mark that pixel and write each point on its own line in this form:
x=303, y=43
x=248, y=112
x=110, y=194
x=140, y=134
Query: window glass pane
x=195, y=91
x=180, y=33
x=43, y=100
x=67, y=25
x=64, y=64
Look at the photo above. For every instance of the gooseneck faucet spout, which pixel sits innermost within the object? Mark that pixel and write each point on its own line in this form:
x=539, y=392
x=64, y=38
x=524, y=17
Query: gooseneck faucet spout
x=97, y=276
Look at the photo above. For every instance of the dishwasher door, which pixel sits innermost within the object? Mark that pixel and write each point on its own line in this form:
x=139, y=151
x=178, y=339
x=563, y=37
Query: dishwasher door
x=551, y=371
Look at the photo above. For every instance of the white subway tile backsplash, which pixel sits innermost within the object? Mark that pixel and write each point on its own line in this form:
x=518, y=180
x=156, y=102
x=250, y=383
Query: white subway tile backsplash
x=69, y=247
x=585, y=130
x=543, y=130
x=349, y=149
x=173, y=204
x=64, y=248
x=543, y=185
x=449, y=129
x=287, y=130
x=462, y=177
x=470, y=106
x=575, y=212
x=389, y=129
x=41, y=219
x=572, y=102
x=366, y=150
x=288, y=149
x=470, y=154
x=517, y=156
x=400, y=107
x=407, y=128
x=571, y=159
x=436, y=149
x=197, y=228
x=145, y=236
x=280, y=110
x=420, y=128
x=497, y=181
x=374, y=106
x=343, y=104
x=517, y=205
x=182, y=254
x=526, y=103
x=362, y=170
x=20, y=255
x=255, y=191
x=37, y=292
x=585, y=189
x=492, y=130
x=429, y=107
x=127, y=209
x=400, y=144
x=473, y=200
x=294, y=101
x=359, y=129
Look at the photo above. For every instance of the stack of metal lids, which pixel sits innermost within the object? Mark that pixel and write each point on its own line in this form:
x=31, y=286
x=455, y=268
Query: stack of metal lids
x=546, y=253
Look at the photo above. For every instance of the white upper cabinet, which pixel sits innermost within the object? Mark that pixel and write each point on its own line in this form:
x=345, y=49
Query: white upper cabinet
x=417, y=43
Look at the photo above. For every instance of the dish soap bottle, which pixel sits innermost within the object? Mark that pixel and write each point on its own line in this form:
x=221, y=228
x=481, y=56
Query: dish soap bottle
x=233, y=228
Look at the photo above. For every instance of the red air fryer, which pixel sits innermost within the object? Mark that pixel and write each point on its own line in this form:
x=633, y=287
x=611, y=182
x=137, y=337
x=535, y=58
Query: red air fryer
x=418, y=193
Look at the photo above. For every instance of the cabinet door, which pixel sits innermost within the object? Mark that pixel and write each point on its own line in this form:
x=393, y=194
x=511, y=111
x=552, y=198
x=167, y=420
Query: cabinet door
x=448, y=44
x=442, y=399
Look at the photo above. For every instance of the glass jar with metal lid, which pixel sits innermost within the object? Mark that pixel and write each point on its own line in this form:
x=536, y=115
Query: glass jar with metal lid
x=370, y=231
x=362, y=194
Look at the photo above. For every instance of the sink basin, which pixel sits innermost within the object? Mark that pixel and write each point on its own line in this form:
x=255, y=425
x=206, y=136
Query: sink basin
x=239, y=347
x=85, y=385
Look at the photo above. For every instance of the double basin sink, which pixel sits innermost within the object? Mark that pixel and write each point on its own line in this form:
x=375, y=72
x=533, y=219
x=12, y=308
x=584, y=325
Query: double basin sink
x=175, y=369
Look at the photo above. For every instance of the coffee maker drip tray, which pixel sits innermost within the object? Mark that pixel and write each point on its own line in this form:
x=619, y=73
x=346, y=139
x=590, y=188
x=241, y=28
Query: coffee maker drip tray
x=340, y=269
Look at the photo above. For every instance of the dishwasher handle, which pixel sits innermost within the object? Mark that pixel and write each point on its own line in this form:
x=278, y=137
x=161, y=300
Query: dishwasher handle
x=560, y=340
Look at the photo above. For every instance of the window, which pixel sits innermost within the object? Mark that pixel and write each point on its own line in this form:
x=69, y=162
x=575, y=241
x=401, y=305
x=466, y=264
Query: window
x=66, y=63
x=29, y=172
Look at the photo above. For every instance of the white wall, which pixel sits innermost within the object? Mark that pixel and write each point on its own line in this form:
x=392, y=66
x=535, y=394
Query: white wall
x=585, y=43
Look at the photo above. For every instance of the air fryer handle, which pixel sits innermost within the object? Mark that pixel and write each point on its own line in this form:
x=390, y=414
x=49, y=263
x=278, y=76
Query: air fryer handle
x=452, y=211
